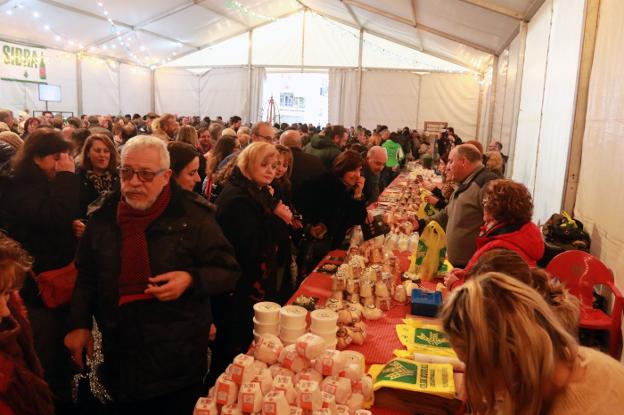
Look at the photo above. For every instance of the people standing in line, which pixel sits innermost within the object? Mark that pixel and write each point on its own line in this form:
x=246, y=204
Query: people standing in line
x=42, y=201
x=245, y=210
x=463, y=216
x=329, y=145
x=305, y=167
x=149, y=261
x=376, y=160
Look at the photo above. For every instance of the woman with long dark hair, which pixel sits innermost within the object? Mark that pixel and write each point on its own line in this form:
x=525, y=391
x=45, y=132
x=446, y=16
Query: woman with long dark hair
x=43, y=202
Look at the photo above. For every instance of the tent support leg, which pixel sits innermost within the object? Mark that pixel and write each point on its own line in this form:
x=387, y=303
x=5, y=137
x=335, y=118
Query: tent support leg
x=592, y=8
x=78, y=85
x=359, y=84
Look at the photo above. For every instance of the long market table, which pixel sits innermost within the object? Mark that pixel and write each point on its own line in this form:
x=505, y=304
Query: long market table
x=381, y=338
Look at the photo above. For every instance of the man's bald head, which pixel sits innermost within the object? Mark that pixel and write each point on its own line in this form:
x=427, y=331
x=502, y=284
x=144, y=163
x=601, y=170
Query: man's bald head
x=291, y=138
x=377, y=157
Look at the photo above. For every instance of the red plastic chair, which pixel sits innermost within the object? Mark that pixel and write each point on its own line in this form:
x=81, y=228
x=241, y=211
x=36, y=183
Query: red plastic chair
x=580, y=272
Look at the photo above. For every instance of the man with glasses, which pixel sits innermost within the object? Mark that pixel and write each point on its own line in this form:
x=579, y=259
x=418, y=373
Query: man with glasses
x=150, y=258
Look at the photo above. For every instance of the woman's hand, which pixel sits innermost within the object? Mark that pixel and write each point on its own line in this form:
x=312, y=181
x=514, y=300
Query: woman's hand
x=318, y=231
x=283, y=212
x=78, y=227
x=65, y=163
x=359, y=187
x=432, y=200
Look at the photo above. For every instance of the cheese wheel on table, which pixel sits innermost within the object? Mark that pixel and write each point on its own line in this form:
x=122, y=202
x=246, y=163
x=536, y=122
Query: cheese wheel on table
x=226, y=390
x=268, y=348
x=309, y=395
x=275, y=403
x=250, y=398
x=310, y=345
x=284, y=384
x=206, y=406
x=242, y=369
x=328, y=402
x=339, y=387
x=290, y=359
x=231, y=409
x=277, y=370
x=308, y=374
x=355, y=402
x=329, y=363
x=264, y=379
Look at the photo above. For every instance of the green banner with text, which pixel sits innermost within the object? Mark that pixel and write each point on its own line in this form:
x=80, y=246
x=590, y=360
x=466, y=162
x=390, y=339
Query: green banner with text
x=22, y=63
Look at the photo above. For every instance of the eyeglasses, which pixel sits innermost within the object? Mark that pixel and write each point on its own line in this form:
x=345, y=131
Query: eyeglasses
x=127, y=173
x=266, y=137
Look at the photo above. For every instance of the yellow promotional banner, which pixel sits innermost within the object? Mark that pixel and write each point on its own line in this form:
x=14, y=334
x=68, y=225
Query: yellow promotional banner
x=22, y=63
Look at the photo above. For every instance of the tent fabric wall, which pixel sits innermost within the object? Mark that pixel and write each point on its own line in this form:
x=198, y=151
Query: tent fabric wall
x=547, y=102
x=484, y=116
x=389, y=98
x=176, y=91
x=505, y=113
x=100, y=86
x=224, y=91
x=135, y=89
x=602, y=172
x=453, y=98
x=258, y=76
x=61, y=70
x=342, y=94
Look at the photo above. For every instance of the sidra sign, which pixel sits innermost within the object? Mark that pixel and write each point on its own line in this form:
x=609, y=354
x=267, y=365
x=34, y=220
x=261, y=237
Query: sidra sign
x=22, y=63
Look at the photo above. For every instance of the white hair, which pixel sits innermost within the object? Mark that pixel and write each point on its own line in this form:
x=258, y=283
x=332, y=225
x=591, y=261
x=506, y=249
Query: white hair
x=376, y=150
x=142, y=142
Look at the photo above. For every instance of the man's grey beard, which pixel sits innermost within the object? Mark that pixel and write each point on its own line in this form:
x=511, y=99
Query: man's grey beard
x=141, y=205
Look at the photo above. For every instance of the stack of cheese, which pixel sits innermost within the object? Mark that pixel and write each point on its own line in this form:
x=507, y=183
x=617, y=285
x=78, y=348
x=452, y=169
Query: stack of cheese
x=300, y=379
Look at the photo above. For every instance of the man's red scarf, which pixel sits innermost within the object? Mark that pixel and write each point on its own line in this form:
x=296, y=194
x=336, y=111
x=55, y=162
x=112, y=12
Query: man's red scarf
x=135, y=263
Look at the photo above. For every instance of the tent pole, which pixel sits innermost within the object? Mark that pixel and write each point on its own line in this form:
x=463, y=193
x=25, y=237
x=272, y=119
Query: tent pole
x=249, y=56
x=303, y=28
x=479, y=110
x=359, y=99
x=592, y=8
x=492, y=99
x=152, y=90
x=524, y=27
x=79, y=84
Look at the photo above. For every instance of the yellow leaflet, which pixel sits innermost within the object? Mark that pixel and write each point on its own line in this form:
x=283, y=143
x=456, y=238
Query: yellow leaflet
x=424, y=338
x=432, y=378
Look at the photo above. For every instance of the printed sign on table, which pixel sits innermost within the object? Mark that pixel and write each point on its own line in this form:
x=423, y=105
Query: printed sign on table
x=22, y=63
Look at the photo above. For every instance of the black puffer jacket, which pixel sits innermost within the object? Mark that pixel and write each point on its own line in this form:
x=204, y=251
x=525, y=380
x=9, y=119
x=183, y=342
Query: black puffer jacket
x=39, y=215
x=152, y=348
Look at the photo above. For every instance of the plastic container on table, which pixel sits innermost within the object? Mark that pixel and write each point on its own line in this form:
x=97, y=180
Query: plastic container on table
x=426, y=303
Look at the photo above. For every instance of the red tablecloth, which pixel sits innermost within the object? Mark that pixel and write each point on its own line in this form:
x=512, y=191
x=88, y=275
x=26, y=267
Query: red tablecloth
x=381, y=338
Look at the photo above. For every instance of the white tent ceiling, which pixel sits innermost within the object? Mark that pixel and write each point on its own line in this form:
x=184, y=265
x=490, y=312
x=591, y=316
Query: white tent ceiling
x=146, y=32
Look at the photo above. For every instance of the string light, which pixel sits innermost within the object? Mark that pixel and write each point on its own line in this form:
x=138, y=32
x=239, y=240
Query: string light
x=237, y=6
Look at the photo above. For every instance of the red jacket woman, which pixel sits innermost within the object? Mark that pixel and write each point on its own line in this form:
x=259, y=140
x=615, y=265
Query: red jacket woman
x=507, y=212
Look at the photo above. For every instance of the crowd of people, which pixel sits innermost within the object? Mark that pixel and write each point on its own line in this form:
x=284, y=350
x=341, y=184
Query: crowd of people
x=136, y=246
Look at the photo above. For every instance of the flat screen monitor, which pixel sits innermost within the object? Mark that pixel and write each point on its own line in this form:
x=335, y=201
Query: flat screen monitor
x=49, y=93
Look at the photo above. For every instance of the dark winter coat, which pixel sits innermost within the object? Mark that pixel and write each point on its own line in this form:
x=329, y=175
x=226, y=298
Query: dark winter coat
x=305, y=169
x=39, y=215
x=153, y=348
x=245, y=213
x=331, y=203
x=324, y=148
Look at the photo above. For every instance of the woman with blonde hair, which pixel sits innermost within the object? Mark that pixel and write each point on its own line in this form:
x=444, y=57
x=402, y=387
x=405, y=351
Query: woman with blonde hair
x=519, y=358
x=495, y=163
x=245, y=210
x=188, y=134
